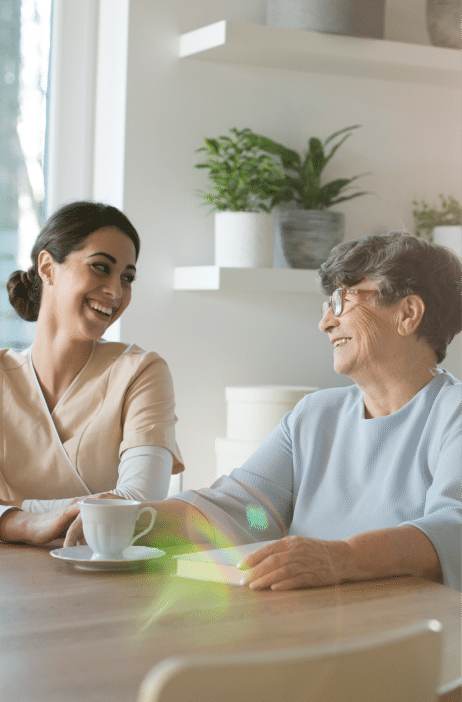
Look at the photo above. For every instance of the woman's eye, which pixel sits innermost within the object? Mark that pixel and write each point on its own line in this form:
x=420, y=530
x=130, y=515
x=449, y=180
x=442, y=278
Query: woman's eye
x=128, y=278
x=102, y=267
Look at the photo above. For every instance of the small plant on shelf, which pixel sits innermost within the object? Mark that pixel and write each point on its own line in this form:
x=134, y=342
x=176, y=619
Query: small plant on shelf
x=245, y=178
x=302, y=181
x=427, y=217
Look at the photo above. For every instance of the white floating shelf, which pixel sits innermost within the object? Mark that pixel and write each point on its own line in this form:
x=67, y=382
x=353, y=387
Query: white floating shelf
x=282, y=280
x=262, y=45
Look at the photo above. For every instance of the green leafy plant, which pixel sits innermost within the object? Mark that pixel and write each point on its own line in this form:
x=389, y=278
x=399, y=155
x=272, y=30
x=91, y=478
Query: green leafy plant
x=426, y=217
x=245, y=177
x=302, y=180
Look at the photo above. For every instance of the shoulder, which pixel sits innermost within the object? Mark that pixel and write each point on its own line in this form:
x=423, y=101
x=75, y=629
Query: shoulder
x=12, y=360
x=328, y=403
x=446, y=399
x=329, y=398
x=129, y=360
x=126, y=354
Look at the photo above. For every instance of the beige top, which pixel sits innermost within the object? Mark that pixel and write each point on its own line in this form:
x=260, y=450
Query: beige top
x=122, y=398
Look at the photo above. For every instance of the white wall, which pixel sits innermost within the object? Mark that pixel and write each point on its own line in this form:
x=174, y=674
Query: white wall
x=410, y=141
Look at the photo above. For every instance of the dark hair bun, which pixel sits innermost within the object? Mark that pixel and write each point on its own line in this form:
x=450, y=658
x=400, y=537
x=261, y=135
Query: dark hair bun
x=24, y=294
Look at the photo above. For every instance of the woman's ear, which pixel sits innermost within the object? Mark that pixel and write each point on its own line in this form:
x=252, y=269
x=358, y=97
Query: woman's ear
x=45, y=267
x=409, y=314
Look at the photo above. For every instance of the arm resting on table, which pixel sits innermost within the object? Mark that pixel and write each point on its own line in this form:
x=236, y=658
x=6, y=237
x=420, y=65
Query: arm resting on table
x=17, y=526
x=299, y=562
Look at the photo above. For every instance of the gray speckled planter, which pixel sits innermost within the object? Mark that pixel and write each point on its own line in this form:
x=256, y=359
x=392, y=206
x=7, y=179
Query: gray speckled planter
x=309, y=235
x=443, y=22
x=355, y=17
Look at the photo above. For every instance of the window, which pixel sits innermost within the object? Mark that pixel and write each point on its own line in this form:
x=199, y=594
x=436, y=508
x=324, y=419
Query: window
x=24, y=58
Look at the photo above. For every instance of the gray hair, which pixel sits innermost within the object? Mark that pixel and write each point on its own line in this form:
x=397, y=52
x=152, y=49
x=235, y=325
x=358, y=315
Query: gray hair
x=404, y=265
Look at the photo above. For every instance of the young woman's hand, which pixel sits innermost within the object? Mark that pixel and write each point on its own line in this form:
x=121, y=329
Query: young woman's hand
x=74, y=535
x=24, y=527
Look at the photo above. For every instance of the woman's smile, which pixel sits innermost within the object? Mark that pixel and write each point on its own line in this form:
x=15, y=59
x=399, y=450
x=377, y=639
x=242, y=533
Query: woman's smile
x=340, y=341
x=98, y=307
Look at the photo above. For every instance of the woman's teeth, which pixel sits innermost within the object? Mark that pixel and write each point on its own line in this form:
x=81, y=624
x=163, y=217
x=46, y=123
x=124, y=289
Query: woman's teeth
x=340, y=342
x=100, y=308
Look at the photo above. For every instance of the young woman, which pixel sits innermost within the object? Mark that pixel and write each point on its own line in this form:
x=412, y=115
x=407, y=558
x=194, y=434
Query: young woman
x=82, y=416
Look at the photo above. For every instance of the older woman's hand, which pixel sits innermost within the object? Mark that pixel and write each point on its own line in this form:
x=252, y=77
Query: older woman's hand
x=296, y=562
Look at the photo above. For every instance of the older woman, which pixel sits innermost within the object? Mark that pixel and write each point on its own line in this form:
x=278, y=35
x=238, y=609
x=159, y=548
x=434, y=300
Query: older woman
x=80, y=415
x=359, y=482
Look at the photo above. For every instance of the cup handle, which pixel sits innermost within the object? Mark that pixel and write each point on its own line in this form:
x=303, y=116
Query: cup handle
x=151, y=523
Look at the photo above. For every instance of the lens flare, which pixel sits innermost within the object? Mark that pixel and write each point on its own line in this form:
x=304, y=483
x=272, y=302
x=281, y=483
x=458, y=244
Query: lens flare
x=256, y=517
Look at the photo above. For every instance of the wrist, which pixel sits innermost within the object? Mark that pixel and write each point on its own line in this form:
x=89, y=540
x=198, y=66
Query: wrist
x=12, y=525
x=345, y=562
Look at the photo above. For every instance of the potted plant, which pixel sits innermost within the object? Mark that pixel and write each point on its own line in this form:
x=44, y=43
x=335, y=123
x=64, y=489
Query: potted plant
x=442, y=224
x=245, y=182
x=310, y=231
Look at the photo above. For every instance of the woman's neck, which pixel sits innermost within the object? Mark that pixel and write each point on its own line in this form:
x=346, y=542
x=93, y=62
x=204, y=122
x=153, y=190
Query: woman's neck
x=395, y=378
x=57, y=362
x=377, y=404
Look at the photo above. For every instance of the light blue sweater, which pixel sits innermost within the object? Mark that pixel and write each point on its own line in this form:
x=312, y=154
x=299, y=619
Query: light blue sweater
x=327, y=472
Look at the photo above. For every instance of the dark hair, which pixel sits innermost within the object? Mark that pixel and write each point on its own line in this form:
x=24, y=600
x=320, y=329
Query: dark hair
x=404, y=265
x=64, y=232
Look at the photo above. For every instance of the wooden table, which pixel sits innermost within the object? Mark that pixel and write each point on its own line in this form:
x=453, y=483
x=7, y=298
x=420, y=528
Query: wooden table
x=70, y=635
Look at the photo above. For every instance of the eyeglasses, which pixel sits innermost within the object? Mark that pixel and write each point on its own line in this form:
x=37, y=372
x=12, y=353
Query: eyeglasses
x=337, y=299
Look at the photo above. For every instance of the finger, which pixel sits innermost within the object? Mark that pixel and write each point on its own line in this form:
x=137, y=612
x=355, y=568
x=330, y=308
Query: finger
x=258, y=556
x=274, y=562
x=259, y=578
x=105, y=496
x=74, y=533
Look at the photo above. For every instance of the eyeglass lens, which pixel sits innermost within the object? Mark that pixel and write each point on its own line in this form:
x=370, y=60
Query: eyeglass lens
x=336, y=302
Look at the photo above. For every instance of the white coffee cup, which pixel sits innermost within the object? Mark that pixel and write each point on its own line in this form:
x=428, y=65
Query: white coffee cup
x=109, y=525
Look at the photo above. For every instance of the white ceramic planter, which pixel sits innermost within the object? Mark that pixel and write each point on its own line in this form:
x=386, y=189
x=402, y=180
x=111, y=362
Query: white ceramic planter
x=244, y=239
x=450, y=236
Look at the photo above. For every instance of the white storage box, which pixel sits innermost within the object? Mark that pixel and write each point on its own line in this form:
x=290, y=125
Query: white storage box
x=232, y=454
x=254, y=411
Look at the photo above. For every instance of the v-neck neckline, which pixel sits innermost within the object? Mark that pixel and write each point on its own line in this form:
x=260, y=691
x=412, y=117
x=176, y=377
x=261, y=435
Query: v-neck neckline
x=68, y=389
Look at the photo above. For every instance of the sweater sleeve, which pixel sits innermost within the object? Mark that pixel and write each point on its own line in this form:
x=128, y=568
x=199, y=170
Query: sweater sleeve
x=441, y=520
x=255, y=502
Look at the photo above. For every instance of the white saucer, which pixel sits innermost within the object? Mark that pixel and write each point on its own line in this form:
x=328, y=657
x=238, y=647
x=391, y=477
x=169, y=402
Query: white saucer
x=81, y=557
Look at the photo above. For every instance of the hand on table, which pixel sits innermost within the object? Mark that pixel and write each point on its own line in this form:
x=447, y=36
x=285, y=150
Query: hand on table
x=296, y=562
x=26, y=527
x=18, y=526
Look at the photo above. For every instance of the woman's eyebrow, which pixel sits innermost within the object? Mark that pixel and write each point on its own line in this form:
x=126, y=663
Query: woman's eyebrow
x=111, y=258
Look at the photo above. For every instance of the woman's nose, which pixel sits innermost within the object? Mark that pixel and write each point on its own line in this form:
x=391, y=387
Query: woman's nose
x=113, y=287
x=328, y=321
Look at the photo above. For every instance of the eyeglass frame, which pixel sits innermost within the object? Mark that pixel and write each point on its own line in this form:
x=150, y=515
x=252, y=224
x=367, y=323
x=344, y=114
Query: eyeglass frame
x=329, y=304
